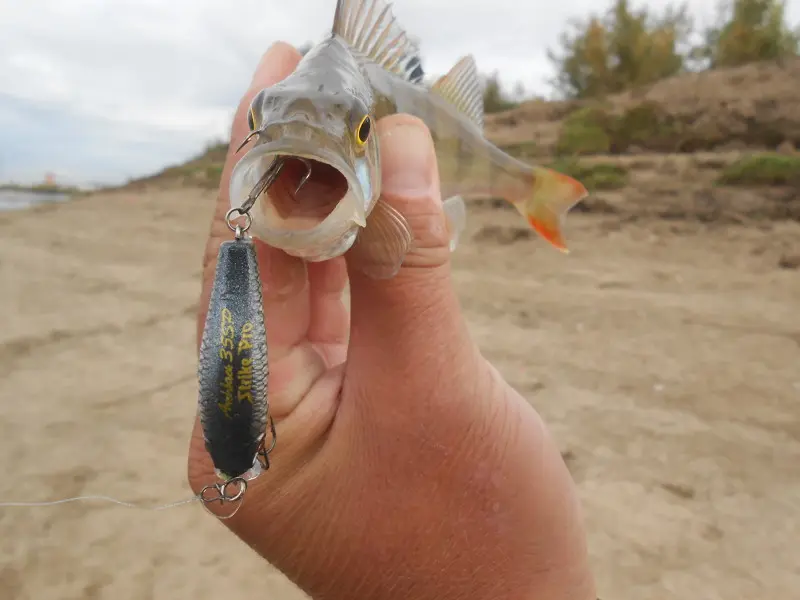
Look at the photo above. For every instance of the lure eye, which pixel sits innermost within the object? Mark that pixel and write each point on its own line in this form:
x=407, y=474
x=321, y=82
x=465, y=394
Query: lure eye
x=363, y=130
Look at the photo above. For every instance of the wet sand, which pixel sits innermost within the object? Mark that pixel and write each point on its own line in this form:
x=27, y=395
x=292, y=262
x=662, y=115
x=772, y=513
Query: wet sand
x=664, y=355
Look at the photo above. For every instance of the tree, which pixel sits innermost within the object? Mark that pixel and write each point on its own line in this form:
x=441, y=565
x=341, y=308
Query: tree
x=624, y=48
x=749, y=31
x=494, y=100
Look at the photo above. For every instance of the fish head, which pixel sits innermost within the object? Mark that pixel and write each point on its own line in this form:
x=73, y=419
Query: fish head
x=320, y=124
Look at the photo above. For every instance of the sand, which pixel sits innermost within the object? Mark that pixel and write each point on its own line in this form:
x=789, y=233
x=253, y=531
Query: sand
x=664, y=355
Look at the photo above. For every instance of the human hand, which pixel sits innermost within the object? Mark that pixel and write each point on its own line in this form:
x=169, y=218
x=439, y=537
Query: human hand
x=406, y=467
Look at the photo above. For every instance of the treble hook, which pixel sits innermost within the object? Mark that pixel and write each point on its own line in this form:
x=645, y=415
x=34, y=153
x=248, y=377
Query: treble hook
x=249, y=137
x=267, y=179
x=306, y=177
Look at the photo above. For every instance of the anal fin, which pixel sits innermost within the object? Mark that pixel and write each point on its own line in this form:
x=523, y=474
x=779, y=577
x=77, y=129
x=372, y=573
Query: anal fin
x=382, y=245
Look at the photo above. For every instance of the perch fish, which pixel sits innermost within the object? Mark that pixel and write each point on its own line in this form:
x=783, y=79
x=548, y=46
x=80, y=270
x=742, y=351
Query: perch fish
x=315, y=161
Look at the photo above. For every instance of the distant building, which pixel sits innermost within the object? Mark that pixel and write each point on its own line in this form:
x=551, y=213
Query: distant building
x=50, y=179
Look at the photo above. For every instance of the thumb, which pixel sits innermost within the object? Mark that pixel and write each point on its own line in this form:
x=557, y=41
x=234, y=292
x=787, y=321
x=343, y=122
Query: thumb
x=418, y=305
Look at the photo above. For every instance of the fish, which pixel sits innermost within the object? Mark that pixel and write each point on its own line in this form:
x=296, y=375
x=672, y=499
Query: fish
x=315, y=140
x=233, y=365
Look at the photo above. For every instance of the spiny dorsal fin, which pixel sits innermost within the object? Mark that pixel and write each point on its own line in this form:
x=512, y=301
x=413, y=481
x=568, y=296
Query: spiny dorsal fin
x=372, y=30
x=461, y=87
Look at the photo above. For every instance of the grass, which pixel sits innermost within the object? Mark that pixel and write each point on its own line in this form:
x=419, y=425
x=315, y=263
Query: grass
x=767, y=168
x=41, y=188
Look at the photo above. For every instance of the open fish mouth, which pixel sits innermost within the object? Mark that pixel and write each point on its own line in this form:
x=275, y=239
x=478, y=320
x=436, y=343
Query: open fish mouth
x=304, y=194
x=315, y=191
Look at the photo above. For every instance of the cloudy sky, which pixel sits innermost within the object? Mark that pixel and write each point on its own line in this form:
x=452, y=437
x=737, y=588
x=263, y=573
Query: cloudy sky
x=98, y=91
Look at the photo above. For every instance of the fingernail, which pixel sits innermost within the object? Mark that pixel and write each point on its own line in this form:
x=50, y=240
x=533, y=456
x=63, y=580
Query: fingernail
x=408, y=160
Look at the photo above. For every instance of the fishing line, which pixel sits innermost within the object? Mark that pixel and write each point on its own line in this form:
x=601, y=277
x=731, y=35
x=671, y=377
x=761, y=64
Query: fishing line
x=238, y=451
x=223, y=495
x=105, y=498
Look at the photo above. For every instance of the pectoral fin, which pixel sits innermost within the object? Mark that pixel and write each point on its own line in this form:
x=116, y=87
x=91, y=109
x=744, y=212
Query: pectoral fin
x=382, y=245
x=455, y=213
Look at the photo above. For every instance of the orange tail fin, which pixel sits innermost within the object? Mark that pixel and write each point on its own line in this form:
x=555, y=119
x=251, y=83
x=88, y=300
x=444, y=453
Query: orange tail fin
x=552, y=196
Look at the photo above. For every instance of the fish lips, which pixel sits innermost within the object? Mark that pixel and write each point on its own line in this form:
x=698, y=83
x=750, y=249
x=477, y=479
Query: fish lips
x=332, y=236
x=249, y=170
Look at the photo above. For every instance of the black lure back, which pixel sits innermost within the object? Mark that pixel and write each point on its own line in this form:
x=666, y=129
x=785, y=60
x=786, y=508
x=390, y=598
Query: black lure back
x=233, y=367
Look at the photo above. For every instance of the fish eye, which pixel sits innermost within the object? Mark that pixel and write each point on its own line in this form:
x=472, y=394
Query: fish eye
x=363, y=130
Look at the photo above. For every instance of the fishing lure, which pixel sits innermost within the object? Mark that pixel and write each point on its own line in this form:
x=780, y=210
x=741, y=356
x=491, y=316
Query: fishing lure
x=233, y=369
x=232, y=373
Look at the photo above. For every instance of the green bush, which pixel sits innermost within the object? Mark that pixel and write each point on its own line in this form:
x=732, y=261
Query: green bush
x=767, y=168
x=596, y=131
x=646, y=125
x=586, y=131
x=596, y=177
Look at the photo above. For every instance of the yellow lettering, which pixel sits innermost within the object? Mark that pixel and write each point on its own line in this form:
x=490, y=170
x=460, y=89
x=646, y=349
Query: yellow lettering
x=227, y=333
x=246, y=343
x=227, y=392
x=245, y=377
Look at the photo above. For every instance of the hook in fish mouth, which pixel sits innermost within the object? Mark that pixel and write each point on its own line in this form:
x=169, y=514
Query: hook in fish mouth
x=299, y=186
x=249, y=137
x=270, y=175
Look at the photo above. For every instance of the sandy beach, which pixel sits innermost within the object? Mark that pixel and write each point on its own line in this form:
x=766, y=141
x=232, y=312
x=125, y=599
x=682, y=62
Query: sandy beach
x=665, y=356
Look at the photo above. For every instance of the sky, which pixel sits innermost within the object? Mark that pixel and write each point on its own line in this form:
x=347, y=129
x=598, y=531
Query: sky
x=100, y=91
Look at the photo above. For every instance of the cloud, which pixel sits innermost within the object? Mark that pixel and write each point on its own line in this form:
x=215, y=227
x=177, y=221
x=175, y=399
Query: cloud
x=102, y=91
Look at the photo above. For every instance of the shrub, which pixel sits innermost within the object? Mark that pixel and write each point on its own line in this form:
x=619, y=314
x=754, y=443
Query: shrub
x=586, y=131
x=596, y=177
x=766, y=168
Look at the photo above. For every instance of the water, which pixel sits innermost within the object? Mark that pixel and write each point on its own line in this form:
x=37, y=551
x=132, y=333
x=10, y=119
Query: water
x=19, y=199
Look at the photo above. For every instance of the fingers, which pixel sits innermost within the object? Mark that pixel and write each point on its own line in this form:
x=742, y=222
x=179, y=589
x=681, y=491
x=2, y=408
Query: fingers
x=417, y=308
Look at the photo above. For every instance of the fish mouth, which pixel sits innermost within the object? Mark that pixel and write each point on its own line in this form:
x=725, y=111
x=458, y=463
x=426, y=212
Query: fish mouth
x=328, y=206
x=321, y=188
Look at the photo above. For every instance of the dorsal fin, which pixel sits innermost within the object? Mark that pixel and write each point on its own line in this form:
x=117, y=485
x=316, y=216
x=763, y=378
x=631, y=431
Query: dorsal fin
x=372, y=30
x=462, y=88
